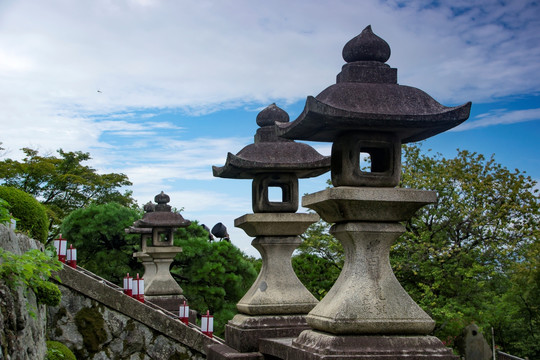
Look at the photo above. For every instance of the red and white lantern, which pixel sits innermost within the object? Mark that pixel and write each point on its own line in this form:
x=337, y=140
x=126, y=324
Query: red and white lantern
x=128, y=285
x=207, y=324
x=138, y=289
x=71, y=258
x=61, y=248
x=183, y=313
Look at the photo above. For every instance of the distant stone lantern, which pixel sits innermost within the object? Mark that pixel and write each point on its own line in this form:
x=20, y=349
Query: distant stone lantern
x=161, y=289
x=277, y=302
x=367, y=314
x=146, y=235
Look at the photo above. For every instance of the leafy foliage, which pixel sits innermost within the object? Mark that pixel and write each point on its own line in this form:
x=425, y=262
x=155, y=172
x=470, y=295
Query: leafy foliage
x=214, y=275
x=318, y=260
x=4, y=211
x=471, y=257
x=30, y=214
x=63, y=183
x=31, y=270
x=103, y=247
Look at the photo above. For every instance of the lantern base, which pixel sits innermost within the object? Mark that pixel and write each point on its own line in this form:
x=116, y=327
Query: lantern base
x=314, y=345
x=243, y=332
x=170, y=303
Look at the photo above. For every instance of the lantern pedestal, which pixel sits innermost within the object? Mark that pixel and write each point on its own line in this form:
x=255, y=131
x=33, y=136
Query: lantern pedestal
x=163, y=290
x=367, y=298
x=276, y=304
x=149, y=266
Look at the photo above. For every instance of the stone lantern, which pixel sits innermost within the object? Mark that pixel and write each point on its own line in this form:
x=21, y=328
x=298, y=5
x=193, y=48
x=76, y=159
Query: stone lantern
x=146, y=235
x=159, y=223
x=277, y=302
x=367, y=313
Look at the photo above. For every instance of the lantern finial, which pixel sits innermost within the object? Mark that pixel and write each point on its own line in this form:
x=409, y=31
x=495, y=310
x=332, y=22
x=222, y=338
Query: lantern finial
x=272, y=114
x=366, y=47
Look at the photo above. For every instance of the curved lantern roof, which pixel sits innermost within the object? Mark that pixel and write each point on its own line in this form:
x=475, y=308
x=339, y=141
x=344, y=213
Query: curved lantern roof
x=270, y=154
x=161, y=215
x=367, y=98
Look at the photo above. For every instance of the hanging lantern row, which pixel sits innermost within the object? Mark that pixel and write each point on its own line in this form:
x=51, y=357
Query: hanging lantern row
x=65, y=255
x=207, y=324
x=183, y=313
x=134, y=287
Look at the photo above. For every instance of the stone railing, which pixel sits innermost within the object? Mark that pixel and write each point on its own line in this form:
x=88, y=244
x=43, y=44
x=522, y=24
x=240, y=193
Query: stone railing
x=96, y=320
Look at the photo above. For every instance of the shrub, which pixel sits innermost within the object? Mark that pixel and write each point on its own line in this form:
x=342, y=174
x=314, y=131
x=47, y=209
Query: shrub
x=58, y=351
x=30, y=214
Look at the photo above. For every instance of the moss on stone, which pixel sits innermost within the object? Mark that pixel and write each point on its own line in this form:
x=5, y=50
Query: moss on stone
x=58, y=351
x=91, y=326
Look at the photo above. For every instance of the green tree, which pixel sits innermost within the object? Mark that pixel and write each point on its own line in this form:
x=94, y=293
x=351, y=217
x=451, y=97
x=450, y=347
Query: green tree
x=462, y=257
x=213, y=275
x=103, y=246
x=318, y=260
x=63, y=183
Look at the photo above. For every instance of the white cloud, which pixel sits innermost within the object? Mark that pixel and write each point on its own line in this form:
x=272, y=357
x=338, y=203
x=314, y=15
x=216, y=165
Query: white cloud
x=147, y=57
x=500, y=117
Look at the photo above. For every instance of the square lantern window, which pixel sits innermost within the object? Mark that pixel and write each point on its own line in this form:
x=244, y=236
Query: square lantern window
x=162, y=236
x=287, y=183
x=384, y=154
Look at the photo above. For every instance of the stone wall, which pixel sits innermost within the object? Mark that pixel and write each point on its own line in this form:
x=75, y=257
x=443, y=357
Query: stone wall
x=21, y=335
x=93, y=319
x=94, y=331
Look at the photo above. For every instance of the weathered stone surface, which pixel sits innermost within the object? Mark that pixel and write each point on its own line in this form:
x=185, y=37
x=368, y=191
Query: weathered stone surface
x=312, y=345
x=244, y=332
x=137, y=325
x=277, y=289
x=150, y=268
x=367, y=204
x=22, y=336
x=472, y=345
x=224, y=352
x=273, y=161
x=162, y=283
x=367, y=98
x=385, y=160
x=112, y=336
x=288, y=183
x=367, y=298
x=275, y=224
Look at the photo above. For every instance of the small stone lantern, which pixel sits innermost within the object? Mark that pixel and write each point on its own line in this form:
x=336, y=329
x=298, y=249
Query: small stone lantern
x=367, y=313
x=146, y=235
x=277, y=302
x=162, y=289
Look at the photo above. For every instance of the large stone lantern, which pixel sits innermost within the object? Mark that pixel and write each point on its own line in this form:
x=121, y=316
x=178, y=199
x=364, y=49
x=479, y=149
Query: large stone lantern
x=277, y=302
x=159, y=224
x=367, y=314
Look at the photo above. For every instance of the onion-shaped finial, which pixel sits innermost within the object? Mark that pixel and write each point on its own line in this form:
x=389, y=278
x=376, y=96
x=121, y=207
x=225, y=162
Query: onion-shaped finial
x=162, y=198
x=272, y=114
x=366, y=47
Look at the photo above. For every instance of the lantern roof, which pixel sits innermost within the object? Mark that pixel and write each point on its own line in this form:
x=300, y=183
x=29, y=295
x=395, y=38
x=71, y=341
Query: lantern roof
x=160, y=215
x=271, y=154
x=367, y=98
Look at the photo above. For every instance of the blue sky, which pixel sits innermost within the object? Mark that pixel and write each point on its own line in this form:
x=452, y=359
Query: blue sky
x=181, y=82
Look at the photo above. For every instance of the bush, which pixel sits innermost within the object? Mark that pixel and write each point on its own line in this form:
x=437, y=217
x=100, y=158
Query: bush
x=58, y=351
x=47, y=293
x=30, y=214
